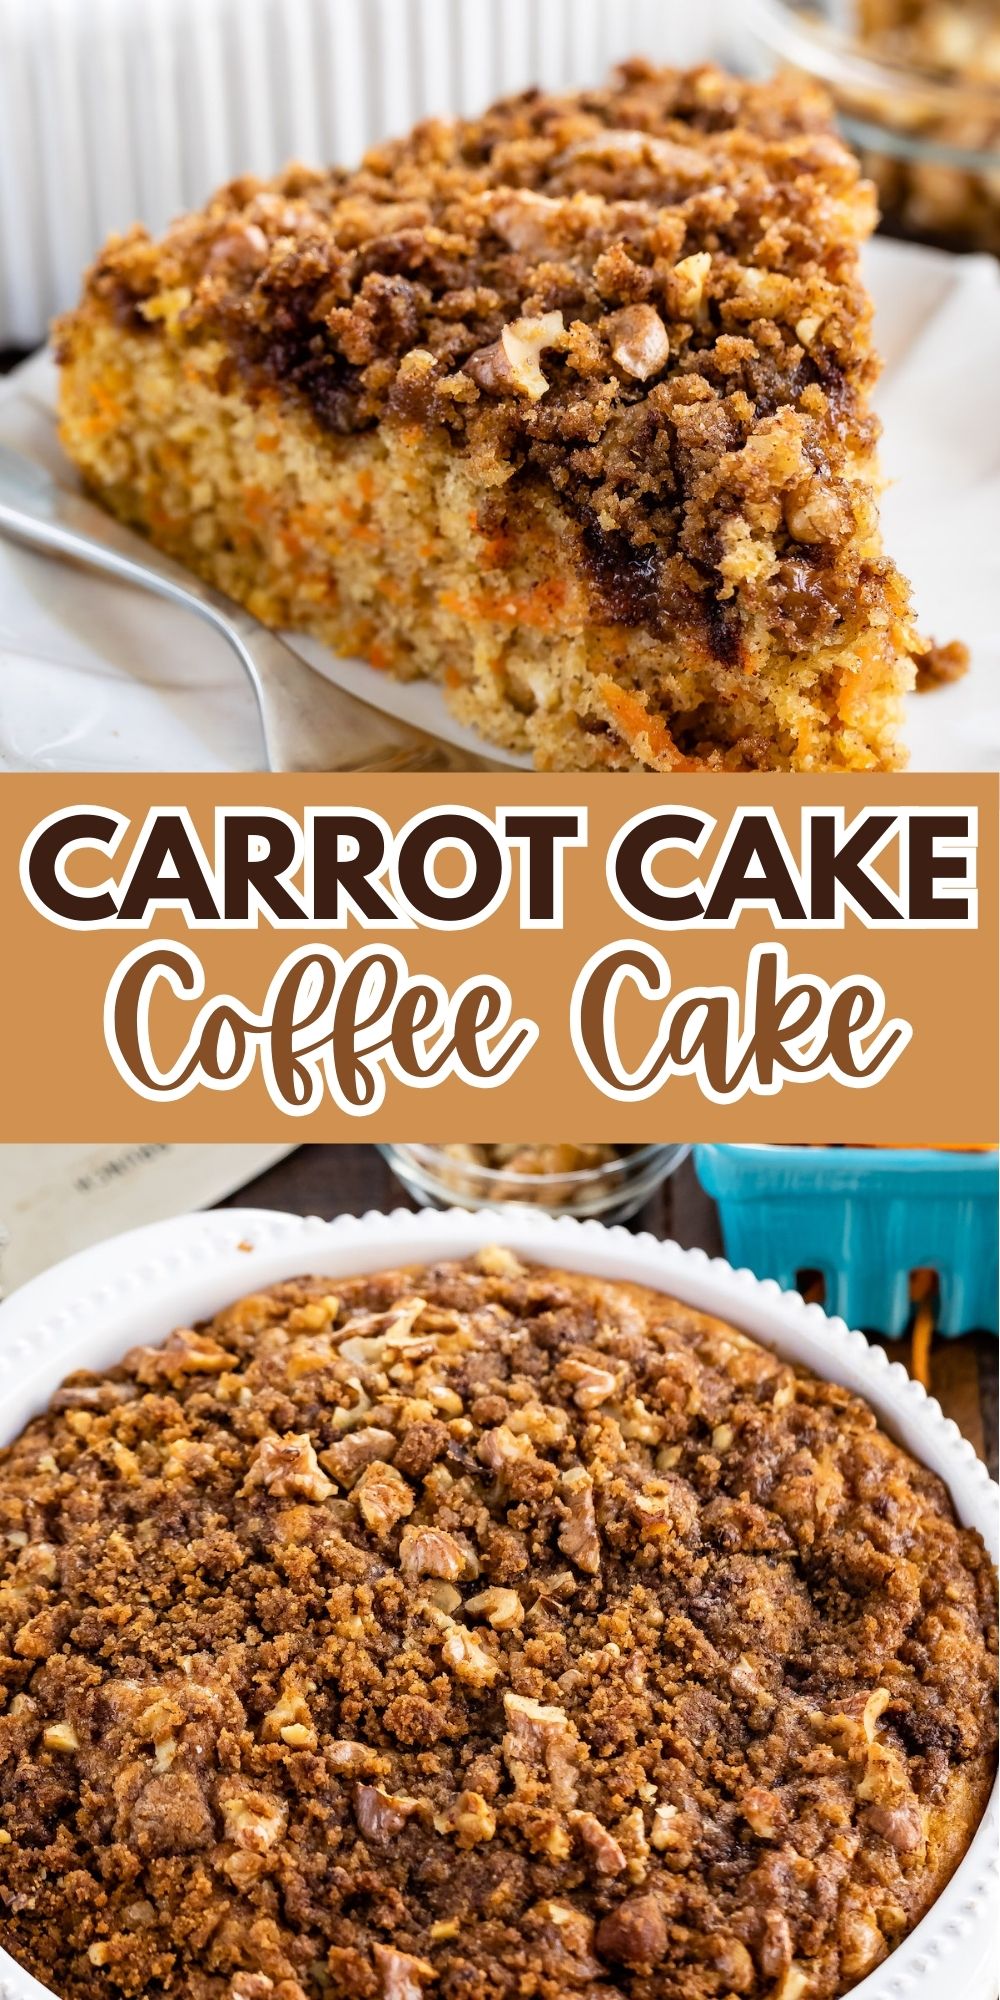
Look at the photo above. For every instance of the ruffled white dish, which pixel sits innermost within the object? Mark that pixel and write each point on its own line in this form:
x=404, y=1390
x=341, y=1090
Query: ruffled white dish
x=94, y=676
x=115, y=110
x=88, y=1310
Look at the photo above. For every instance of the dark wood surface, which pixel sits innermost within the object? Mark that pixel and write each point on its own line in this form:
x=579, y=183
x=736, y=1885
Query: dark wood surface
x=338, y=1180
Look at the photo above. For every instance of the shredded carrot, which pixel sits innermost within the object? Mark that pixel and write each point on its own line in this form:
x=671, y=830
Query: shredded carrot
x=645, y=734
x=537, y=607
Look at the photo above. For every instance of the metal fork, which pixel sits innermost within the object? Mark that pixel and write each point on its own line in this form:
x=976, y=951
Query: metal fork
x=307, y=722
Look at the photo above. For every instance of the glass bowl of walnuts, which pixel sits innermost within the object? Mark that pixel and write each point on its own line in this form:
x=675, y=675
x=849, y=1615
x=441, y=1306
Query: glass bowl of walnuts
x=916, y=85
x=565, y=1178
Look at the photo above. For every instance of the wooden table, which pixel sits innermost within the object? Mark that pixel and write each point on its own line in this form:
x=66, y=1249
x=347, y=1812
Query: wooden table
x=337, y=1180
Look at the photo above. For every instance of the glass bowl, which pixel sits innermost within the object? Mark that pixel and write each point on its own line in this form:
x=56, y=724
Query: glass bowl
x=614, y=1190
x=916, y=84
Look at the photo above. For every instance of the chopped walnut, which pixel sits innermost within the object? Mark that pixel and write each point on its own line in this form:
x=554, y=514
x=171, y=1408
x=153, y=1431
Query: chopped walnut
x=187, y=1352
x=315, y=1316
x=640, y=343
x=467, y=1658
x=381, y=1815
x=402, y=1976
x=569, y=1933
x=469, y=1818
x=524, y=341
x=578, y=1537
x=524, y=219
x=252, y=1819
x=665, y=1832
x=541, y=1747
x=347, y=1459
x=496, y=1262
x=345, y=1755
x=794, y=1984
x=860, y=1938
x=591, y=1384
x=762, y=1811
x=814, y=514
x=158, y=1724
x=288, y=1468
x=290, y=1721
x=443, y=1596
x=634, y=1933
x=431, y=1552
x=901, y=1825
x=382, y=1498
x=733, y=1964
x=502, y=1447
x=501, y=1608
x=602, y=1849
x=686, y=285
x=61, y=1737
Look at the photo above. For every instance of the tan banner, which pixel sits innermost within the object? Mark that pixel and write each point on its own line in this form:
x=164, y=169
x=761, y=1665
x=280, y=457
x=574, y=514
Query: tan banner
x=500, y=957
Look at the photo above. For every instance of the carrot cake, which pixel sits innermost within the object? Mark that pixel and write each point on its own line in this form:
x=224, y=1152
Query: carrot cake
x=477, y=1633
x=566, y=407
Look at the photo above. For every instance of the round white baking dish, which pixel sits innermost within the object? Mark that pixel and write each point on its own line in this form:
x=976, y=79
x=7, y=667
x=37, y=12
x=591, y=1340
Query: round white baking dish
x=87, y=1311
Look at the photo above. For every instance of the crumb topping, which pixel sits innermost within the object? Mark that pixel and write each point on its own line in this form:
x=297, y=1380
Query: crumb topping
x=476, y=1633
x=646, y=296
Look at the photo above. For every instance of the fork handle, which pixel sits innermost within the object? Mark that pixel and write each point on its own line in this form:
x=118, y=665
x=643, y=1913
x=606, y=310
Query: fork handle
x=308, y=722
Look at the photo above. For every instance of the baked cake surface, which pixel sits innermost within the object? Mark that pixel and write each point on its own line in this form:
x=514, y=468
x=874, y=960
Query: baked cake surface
x=471, y=1633
x=567, y=407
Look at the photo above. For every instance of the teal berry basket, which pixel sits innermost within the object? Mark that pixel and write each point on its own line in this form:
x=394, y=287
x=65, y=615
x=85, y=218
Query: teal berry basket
x=864, y=1218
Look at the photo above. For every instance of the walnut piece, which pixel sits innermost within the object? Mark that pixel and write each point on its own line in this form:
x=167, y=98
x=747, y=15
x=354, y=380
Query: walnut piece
x=634, y=1934
x=523, y=342
x=401, y=1975
x=640, y=343
x=253, y=1819
x=578, y=1537
x=289, y=1721
x=541, y=1748
x=431, y=1552
x=288, y=1468
x=686, y=285
x=591, y=1384
x=381, y=1815
x=382, y=1497
x=601, y=1848
x=465, y=1656
x=61, y=1737
x=501, y=1608
x=814, y=514
x=469, y=1818
x=347, y=1459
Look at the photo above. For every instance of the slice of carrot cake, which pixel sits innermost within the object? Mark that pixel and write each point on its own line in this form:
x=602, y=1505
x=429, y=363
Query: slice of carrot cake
x=566, y=407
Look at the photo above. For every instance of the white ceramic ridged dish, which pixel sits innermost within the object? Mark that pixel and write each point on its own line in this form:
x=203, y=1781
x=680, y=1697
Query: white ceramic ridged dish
x=90, y=1309
x=116, y=111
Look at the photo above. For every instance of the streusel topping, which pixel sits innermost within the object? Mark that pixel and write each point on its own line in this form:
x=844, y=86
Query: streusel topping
x=472, y=1633
x=647, y=295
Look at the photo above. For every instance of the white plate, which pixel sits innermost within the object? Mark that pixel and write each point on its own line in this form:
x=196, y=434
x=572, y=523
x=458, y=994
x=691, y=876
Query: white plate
x=94, y=676
x=87, y=1311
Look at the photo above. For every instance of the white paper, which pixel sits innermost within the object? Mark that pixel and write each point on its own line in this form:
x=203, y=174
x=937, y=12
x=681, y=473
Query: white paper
x=58, y=1199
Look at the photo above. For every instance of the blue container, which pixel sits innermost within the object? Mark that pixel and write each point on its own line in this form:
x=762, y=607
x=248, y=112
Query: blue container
x=864, y=1218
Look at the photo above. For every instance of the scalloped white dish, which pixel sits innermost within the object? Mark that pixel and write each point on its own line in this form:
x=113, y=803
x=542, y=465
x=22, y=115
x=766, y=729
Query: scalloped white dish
x=94, y=676
x=86, y=1311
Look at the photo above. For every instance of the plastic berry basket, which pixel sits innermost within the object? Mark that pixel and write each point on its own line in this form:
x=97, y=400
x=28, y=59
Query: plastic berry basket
x=864, y=1218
